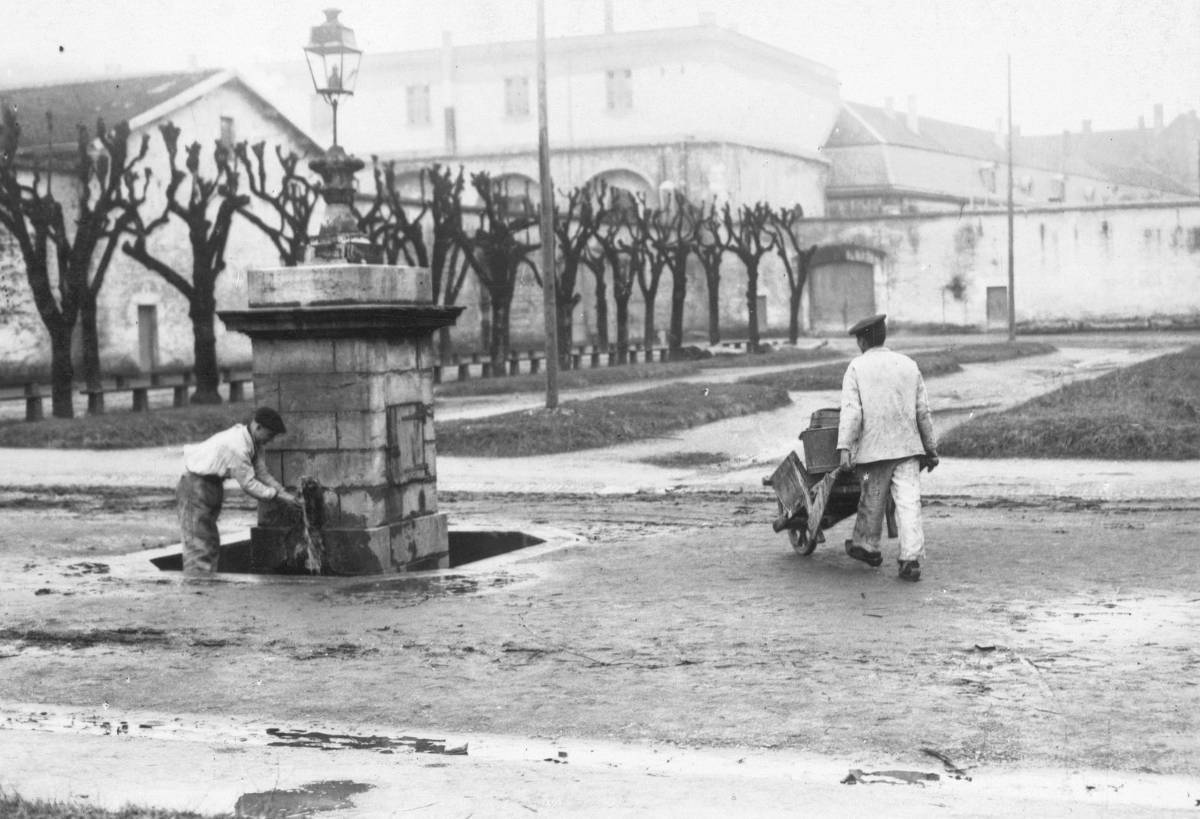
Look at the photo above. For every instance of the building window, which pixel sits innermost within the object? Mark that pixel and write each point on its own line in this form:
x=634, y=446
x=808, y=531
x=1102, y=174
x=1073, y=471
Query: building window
x=416, y=99
x=228, y=133
x=516, y=96
x=619, y=84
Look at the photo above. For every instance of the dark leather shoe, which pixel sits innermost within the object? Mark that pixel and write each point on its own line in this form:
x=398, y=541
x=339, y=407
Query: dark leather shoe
x=872, y=559
x=910, y=570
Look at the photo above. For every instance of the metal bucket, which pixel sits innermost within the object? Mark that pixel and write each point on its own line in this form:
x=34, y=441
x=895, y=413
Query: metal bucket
x=827, y=417
x=820, y=449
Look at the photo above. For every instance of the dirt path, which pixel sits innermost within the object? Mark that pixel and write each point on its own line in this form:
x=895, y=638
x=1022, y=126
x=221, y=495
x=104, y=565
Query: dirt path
x=1043, y=635
x=1048, y=636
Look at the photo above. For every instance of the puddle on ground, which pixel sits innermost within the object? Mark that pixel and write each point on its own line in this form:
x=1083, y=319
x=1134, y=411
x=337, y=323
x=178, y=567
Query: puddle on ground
x=465, y=547
x=349, y=742
x=427, y=586
x=303, y=801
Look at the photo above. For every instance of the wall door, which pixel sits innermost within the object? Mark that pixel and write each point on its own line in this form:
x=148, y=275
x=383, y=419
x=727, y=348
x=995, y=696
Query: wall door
x=147, y=337
x=840, y=293
x=997, y=308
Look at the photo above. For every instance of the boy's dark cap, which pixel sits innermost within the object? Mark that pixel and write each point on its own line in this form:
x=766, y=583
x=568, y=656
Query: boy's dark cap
x=867, y=323
x=270, y=419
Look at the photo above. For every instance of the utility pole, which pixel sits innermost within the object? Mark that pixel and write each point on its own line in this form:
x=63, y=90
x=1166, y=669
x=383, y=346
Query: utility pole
x=549, y=274
x=1012, y=299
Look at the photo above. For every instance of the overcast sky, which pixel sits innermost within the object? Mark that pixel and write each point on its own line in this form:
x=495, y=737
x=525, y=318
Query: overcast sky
x=1109, y=61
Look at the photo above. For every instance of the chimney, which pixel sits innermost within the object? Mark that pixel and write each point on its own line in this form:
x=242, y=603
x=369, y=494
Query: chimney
x=1158, y=117
x=1087, y=126
x=913, y=123
x=608, y=17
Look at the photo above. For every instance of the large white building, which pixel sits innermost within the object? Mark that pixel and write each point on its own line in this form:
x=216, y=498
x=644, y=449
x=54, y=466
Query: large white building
x=700, y=108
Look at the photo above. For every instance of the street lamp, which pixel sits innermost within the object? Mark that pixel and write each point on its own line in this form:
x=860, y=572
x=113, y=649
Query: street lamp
x=333, y=57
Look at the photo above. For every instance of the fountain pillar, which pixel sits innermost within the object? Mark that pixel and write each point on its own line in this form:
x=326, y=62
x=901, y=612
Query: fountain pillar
x=345, y=352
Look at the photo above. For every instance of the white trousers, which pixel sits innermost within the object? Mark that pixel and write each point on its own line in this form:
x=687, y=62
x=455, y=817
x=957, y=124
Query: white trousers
x=903, y=480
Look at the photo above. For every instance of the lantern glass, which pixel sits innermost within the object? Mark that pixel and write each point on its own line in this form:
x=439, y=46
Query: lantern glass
x=333, y=57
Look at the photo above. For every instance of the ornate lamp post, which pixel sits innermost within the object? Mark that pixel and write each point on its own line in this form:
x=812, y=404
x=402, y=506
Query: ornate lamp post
x=343, y=347
x=333, y=57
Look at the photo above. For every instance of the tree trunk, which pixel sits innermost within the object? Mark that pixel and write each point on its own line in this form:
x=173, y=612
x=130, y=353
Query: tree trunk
x=566, y=330
x=62, y=372
x=622, y=330
x=648, y=320
x=498, y=349
x=89, y=330
x=602, y=312
x=678, y=300
x=794, y=315
x=752, y=307
x=444, y=345
x=204, y=350
x=714, y=308
x=486, y=310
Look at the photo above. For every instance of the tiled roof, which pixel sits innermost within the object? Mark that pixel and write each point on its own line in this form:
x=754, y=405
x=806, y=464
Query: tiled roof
x=860, y=124
x=1123, y=157
x=1119, y=157
x=81, y=103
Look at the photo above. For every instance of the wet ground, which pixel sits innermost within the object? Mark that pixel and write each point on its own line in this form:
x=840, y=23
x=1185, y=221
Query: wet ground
x=661, y=652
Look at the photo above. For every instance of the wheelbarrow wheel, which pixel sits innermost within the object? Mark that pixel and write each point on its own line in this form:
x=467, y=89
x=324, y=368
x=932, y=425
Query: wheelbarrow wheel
x=799, y=538
x=800, y=541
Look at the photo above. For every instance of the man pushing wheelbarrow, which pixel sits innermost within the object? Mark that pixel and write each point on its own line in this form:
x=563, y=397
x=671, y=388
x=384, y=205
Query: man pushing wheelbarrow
x=884, y=439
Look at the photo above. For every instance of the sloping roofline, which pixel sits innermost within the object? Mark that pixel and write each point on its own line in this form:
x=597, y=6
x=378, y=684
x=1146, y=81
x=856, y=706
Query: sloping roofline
x=76, y=104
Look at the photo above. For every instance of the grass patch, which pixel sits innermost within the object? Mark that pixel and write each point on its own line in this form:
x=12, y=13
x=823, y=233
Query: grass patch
x=1150, y=411
x=998, y=351
x=624, y=373
x=686, y=460
x=567, y=379
x=124, y=430
x=829, y=376
x=577, y=425
x=607, y=421
x=13, y=806
x=931, y=363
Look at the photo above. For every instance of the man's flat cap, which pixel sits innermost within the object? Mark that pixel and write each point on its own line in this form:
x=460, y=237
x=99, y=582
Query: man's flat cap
x=270, y=419
x=867, y=323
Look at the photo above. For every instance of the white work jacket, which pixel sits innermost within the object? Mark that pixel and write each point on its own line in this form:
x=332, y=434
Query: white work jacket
x=232, y=454
x=885, y=409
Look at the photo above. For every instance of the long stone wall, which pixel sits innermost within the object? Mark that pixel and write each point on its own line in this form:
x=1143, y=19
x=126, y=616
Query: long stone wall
x=1133, y=264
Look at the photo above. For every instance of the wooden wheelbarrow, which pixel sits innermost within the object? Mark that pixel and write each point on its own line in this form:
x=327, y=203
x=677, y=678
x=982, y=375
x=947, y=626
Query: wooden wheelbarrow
x=811, y=500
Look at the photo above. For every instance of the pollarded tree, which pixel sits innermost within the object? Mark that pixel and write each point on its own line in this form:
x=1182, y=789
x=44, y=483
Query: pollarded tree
x=206, y=207
x=447, y=266
x=709, y=249
x=38, y=224
x=653, y=225
x=595, y=260
x=390, y=222
x=747, y=237
x=623, y=244
x=574, y=229
x=496, y=253
x=669, y=244
x=421, y=231
x=796, y=260
x=291, y=204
